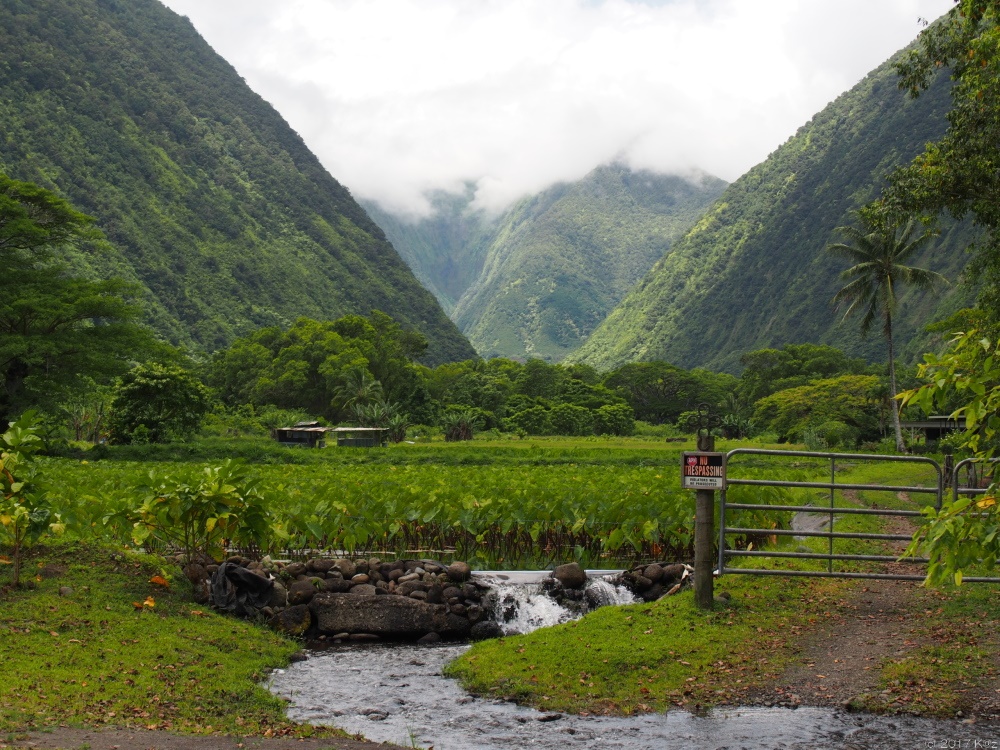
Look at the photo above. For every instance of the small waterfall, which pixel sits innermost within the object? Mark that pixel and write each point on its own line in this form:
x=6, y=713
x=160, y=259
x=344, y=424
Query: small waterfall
x=522, y=607
x=600, y=592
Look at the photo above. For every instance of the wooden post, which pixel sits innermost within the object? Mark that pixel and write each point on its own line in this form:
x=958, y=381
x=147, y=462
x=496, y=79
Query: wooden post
x=704, y=537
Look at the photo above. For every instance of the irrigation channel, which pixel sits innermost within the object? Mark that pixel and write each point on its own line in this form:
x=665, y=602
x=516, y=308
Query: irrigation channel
x=396, y=693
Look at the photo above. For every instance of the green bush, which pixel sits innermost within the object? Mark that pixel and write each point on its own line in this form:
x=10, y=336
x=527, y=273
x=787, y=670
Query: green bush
x=533, y=421
x=155, y=403
x=569, y=419
x=837, y=434
x=614, y=419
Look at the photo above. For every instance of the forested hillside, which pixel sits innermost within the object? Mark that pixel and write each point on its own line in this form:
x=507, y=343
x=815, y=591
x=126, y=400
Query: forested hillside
x=753, y=273
x=208, y=198
x=536, y=280
x=445, y=250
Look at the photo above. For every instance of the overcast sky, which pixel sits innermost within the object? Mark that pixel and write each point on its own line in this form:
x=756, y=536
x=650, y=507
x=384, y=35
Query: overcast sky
x=397, y=97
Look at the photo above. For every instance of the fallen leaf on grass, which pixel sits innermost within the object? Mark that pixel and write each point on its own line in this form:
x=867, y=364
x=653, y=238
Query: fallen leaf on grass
x=160, y=581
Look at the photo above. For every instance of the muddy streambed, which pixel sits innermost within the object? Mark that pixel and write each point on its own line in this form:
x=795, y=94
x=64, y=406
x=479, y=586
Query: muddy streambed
x=397, y=694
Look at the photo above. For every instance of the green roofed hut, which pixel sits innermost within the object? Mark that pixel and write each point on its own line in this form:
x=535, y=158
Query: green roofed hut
x=361, y=437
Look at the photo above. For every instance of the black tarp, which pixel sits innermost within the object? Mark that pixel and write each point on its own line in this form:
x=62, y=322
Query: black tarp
x=240, y=591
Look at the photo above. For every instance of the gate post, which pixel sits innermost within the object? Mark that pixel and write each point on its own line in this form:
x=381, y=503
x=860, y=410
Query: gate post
x=701, y=472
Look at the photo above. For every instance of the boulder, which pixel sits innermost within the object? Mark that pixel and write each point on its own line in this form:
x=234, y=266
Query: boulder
x=385, y=616
x=459, y=571
x=292, y=621
x=279, y=596
x=570, y=575
x=485, y=629
x=196, y=573
x=321, y=565
x=337, y=585
x=653, y=572
x=346, y=568
x=674, y=572
x=641, y=583
x=301, y=592
x=434, y=593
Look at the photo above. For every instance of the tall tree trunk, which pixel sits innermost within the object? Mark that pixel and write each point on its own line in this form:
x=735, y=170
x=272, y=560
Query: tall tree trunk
x=893, y=402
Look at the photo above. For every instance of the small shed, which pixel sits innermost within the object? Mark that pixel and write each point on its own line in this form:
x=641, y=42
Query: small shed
x=305, y=434
x=361, y=437
x=935, y=427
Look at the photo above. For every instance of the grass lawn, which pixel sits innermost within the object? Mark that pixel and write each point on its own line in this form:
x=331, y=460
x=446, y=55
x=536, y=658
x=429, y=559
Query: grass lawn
x=122, y=650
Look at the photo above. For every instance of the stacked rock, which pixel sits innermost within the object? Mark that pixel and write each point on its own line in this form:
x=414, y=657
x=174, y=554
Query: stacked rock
x=367, y=599
x=650, y=582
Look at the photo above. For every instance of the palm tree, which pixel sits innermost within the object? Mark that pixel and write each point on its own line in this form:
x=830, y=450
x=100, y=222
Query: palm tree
x=878, y=250
x=359, y=388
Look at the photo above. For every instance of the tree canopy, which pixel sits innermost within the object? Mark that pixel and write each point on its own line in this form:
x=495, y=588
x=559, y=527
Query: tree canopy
x=960, y=172
x=54, y=325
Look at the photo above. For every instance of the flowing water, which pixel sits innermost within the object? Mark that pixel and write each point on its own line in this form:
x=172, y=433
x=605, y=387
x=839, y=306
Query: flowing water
x=396, y=693
x=521, y=605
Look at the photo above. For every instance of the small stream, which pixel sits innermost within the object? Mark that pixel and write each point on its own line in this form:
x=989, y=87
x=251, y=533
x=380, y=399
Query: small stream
x=396, y=693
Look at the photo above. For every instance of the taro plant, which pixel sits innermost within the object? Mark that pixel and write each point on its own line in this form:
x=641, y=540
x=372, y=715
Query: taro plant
x=26, y=514
x=201, y=514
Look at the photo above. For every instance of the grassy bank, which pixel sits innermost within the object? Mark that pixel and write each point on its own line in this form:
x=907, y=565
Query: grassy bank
x=97, y=641
x=652, y=657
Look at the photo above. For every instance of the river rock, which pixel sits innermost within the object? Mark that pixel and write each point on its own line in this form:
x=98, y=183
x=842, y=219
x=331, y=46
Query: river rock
x=301, y=592
x=570, y=575
x=405, y=589
x=654, y=592
x=293, y=620
x=641, y=583
x=471, y=592
x=674, y=572
x=653, y=572
x=451, y=592
x=364, y=589
x=485, y=629
x=475, y=613
x=385, y=616
x=360, y=578
x=435, y=593
x=346, y=568
x=337, y=585
x=195, y=572
x=294, y=570
x=321, y=565
x=459, y=571
x=279, y=596
x=202, y=592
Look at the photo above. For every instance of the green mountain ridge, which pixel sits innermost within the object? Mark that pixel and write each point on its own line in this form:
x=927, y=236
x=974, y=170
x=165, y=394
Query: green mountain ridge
x=445, y=250
x=534, y=281
x=208, y=198
x=753, y=272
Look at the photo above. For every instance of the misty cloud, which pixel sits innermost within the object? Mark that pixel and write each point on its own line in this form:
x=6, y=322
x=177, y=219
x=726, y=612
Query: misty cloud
x=399, y=97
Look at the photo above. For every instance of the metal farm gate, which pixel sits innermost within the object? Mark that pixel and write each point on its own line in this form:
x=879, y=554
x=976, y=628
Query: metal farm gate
x=831, y=513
